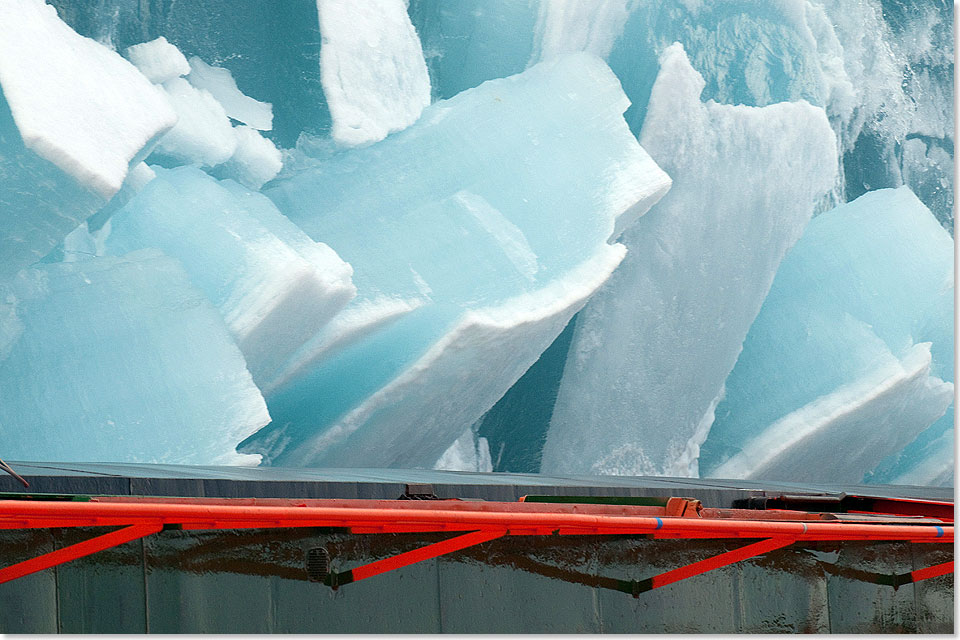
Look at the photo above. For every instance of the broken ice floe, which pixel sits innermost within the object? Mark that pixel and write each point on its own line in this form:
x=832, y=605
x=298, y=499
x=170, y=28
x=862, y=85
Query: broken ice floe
x=74, y=117
x=371, y=64
x=500, y=253
x=652, y=349
x=841, y=352
x=203, y=134
x=221, y=85
x=274, y=286
x=158, y=60
x=145, y=368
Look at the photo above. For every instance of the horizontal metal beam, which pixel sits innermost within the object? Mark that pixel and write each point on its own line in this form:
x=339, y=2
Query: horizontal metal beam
x=14, y=514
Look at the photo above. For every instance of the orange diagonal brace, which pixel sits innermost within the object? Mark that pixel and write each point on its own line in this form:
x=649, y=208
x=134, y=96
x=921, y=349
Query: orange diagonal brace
x=418, y=555
x=716, y=562
x=75, y=551
x=932, y=572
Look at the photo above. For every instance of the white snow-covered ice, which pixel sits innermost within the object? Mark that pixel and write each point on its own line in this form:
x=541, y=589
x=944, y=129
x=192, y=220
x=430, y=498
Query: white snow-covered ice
x=203, y=135
x=75, y=103
x=221, y=85
x=158, y=60
x=74, y=117
x=371, y=63
x=255, y=161
x=652, y=349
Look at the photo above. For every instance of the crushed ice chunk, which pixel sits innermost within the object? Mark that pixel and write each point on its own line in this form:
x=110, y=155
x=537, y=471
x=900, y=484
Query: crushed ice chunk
x=566, y=27
x=852, y=351
x=203, y=134
x=509, y=238
x=221, y=85
x=274, y=286
x=467, y=453
x=75, y=102
x=158, y=60
x=256, y=160
x=74, y=116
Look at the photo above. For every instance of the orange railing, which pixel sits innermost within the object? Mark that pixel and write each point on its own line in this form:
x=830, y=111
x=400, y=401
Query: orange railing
x=478, y=522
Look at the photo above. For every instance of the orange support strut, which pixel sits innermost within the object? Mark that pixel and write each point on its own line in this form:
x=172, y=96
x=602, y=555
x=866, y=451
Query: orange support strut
x=74, y=551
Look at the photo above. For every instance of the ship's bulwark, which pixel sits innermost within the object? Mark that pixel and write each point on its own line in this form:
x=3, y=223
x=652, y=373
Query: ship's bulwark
x=257, y=581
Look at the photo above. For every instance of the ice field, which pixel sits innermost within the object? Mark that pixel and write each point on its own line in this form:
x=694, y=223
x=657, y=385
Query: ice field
x=632, y=237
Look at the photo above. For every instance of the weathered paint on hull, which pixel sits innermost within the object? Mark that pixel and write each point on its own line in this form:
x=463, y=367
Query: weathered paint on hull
x=256, y=581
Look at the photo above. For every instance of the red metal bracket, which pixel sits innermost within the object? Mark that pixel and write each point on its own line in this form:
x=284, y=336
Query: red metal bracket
x=709, y=564
x=79, y=550
x=932, y=572
x=412, y=557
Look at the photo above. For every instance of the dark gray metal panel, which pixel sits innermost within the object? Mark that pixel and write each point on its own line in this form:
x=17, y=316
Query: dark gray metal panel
x=401, y=601
x=28, y=604
x=208, y=603
x=404, y=603
x=383, y=491
x=256, y=582
x=398, y=477
x=479, y=598
x=520, y=583
x=934, y=596
x=102, y=593
x=188, y=593
x=783, y=592
x=89, y=485
x=167, y=487
x=862, y=607
x=708, y=603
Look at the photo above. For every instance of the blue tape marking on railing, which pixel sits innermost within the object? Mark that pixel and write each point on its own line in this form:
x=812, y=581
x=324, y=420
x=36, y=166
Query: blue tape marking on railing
x=939, y=532
x=660, y=523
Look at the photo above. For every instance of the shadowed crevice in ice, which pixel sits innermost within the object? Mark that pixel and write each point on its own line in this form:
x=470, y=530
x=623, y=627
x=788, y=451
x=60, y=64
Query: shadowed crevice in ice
x=516, y=427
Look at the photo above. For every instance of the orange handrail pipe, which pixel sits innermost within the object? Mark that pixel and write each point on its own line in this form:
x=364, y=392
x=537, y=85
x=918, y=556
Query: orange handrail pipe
x=20, y=514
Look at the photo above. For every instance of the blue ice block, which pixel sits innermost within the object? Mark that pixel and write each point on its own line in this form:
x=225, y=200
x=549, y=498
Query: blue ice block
x=120, y=359
x=274, y=285
x=74, y=116
x=487, y=224
x=853, y=347
x=650, y=352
